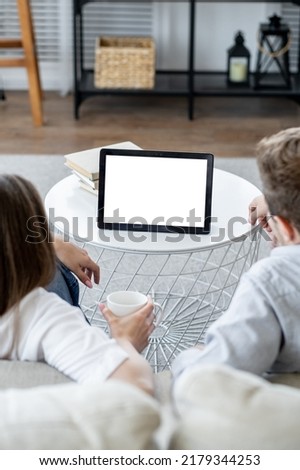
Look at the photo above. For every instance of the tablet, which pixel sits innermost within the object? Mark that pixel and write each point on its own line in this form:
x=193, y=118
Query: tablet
x=155, y=191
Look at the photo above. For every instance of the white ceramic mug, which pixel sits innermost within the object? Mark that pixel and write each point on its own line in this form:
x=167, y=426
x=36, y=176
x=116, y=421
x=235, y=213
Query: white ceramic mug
x=125, y=302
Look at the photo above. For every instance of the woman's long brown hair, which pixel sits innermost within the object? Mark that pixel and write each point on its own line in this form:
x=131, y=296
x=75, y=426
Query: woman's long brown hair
x=27, y=258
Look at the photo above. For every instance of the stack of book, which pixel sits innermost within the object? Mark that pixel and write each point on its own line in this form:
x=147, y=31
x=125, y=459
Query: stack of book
x=85, y=165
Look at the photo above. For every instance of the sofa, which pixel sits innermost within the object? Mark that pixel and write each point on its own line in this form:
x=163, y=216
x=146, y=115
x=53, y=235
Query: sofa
x=210, y=407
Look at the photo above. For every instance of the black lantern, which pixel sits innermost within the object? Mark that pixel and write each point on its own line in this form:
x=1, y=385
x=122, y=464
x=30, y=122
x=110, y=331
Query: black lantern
x=274, y=40
x=238, y=67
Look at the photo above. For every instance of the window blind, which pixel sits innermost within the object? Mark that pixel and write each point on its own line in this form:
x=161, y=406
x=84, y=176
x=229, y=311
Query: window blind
x=291, y=15
x=46, y=21
x=52, y=25
x=114, y=19
x=54, y=37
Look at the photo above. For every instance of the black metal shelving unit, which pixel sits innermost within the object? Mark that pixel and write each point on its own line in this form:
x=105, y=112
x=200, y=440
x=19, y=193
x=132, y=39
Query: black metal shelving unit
x=189, y=83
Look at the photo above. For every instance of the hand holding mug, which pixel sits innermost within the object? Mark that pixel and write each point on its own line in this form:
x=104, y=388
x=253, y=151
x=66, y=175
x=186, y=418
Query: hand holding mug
x=124, y=303
x=131, y=315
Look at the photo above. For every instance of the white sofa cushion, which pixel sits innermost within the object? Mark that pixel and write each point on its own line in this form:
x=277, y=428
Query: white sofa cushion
x=222, y=408
x=110, y=415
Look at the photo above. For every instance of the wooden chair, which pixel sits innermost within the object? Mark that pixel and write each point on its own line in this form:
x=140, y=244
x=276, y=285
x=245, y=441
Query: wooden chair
x=28, y=60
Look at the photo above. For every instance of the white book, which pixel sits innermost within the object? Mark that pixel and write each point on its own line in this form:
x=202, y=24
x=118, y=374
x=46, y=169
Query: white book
x=86, y=162
x=88, y=188
x=94, y=184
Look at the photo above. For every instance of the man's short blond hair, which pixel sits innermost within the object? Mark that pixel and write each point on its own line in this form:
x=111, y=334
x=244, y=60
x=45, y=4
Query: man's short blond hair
x=278, y=158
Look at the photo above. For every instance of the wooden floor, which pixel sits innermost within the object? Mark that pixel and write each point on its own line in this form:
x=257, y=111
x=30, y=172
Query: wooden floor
x=223, y=126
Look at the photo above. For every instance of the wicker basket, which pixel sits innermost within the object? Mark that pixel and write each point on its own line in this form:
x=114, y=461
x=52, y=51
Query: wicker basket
x=124, y=62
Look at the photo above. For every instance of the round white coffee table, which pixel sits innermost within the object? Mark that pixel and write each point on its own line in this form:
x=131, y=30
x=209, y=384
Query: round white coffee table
x=192, y=276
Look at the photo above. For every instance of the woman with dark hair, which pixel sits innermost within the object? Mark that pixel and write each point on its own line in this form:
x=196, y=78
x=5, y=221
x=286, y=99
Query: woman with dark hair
x=36, y=325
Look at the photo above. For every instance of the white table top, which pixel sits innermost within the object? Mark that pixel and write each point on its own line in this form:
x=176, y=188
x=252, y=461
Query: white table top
x=74, y=212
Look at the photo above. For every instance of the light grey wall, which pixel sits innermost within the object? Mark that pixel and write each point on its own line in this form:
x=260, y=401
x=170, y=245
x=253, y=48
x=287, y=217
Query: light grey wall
x=216, y=25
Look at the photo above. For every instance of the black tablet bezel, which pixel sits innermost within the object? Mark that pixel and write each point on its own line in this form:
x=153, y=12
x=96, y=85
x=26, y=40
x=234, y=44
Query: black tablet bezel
x=154, y=228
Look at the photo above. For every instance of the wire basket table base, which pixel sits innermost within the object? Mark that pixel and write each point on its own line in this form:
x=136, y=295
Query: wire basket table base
x=194, y=289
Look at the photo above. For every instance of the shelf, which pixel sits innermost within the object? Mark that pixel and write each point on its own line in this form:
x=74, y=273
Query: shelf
x=166, y=83
x=176, y=83
x=189, y=83
x=214, y=84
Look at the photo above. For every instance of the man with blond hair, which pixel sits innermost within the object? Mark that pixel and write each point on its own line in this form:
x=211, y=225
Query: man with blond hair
x=261, y=329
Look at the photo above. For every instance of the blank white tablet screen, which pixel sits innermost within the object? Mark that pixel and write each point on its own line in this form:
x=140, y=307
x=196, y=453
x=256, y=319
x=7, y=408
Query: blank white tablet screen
x=160, y=191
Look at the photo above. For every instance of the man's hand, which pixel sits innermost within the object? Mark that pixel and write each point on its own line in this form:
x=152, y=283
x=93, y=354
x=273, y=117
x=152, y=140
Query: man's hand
x=78, y=261
x=258, y=213
x=136, y=327
x=258, y=210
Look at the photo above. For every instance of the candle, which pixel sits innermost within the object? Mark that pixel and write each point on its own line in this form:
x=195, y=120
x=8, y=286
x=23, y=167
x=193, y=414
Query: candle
x=238, y=70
